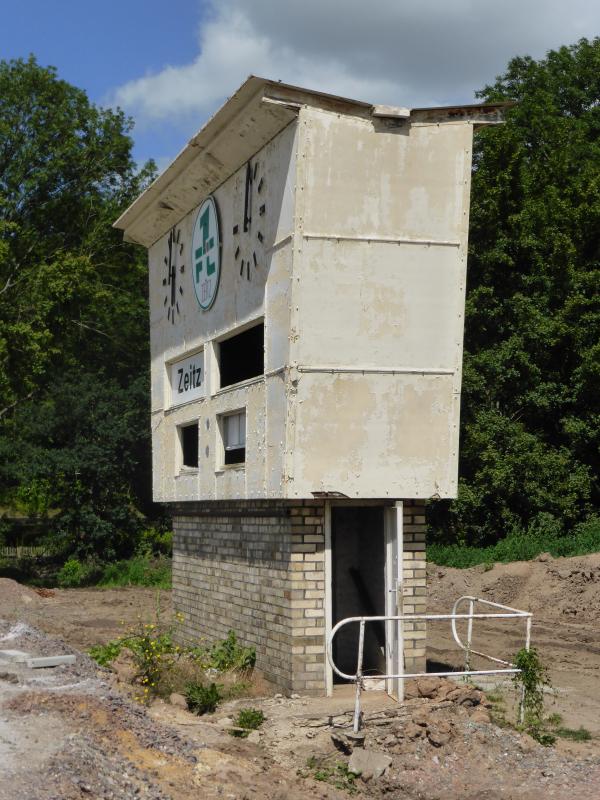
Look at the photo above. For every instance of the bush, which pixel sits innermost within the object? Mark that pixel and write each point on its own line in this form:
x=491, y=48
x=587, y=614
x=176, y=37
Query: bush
x=248, y=719
x=75, y=573
x=202, y=699
x=155, y=542
x=138, y=571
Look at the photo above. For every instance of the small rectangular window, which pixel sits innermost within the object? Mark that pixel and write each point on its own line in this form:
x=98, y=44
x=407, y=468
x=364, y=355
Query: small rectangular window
x=234, y=438
x=242, y=356
x=188, y=437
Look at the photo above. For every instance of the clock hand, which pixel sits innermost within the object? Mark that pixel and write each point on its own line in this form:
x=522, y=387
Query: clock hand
x=172, y=268
x=248, y=198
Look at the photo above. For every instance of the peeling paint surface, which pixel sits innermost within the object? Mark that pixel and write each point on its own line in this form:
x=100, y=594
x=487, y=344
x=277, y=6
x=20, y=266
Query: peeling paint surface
x=362, y=296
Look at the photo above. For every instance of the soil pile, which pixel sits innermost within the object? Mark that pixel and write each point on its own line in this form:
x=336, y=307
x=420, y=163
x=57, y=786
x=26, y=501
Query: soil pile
x=14, y=596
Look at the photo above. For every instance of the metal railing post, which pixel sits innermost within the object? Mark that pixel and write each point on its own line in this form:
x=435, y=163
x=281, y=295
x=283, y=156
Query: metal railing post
x=527, y=646
x=469, y=636
x=359, y=675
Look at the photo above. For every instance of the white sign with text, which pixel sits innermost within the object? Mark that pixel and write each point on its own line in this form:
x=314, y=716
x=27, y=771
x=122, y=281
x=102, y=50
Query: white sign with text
x=187, y=379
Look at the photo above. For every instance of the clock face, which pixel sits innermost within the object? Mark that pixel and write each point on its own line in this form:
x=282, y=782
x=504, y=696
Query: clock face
x=174, y=268
x=248, y=231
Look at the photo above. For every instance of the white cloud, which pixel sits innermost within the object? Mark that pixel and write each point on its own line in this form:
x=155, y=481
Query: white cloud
x=408, y=52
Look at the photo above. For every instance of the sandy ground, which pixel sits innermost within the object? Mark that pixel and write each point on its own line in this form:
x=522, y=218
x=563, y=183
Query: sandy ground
x=73, y=732
x=564, y=596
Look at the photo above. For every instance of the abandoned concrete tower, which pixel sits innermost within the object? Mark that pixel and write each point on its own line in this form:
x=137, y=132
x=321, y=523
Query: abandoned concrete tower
x=307, y=259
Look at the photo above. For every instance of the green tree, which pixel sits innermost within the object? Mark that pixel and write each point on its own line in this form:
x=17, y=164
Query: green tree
x=530, y=410
x=73, y=306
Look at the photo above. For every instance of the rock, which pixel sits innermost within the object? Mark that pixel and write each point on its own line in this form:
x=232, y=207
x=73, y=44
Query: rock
x=178, y=700
x=421, y=718
x=124, y=668
x=412, y=731
x=465, y=696
x=253, y=737
x=543, y=557
x=480, y=715
x=369, y=764
x=440, y=734
x=225, y=722
x=428, y=687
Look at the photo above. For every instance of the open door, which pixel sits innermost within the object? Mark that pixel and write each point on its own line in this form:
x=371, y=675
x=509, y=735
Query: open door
x=393, y=603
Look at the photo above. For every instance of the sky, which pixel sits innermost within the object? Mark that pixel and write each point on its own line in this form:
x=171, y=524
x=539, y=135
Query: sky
x=171, y=63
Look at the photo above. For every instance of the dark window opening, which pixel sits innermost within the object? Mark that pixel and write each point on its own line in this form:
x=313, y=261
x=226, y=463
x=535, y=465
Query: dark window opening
x=243, y=356
x=189, y=445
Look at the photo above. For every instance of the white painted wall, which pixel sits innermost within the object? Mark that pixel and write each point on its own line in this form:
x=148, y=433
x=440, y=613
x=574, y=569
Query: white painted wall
x=363, y=300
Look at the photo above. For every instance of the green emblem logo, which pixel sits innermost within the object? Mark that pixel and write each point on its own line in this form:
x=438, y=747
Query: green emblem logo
x=206, y=254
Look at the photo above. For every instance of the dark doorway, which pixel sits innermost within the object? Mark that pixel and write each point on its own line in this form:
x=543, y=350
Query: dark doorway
x=358, y=564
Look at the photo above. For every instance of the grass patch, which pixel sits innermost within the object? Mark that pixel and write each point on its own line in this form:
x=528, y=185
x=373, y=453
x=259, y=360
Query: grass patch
x=138, y=571
x=521, y=546
x=579, y=735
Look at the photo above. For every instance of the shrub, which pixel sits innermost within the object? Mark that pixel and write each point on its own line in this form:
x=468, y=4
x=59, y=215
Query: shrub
x=249, y=719
x=75, y=573
x=138, y=571
x=202, y=699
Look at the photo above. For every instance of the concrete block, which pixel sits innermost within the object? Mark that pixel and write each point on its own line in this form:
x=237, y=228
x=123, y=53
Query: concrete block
x=49, y=661
x=18, y=656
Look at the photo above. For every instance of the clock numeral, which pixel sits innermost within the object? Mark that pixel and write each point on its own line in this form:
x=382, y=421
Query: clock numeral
x=242, y=267
x=254, y=257
x=181, y=290
x=255, y=169
x=248, y=270
x=259, y=236
x=164, y=281
x=260, y=185
x=235, y=230
x=261, y=210
x=237, y=253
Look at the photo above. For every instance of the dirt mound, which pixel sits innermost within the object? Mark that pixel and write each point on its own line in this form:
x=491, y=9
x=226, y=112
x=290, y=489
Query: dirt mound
x=557, y=588
x=563, y=595
x=15, y=596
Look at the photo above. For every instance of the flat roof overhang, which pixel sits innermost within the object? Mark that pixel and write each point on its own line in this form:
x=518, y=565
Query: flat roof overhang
x=247, y=121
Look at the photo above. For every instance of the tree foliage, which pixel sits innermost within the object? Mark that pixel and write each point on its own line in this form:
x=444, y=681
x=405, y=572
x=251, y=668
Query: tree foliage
x=530, y=409
x=73, y=310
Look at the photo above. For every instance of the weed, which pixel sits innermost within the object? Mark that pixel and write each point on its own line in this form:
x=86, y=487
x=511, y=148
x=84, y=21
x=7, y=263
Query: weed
x=530, y=682
x=248, y=719
x=554, y=720
x=105, y=654
x=202, y=699
x=229, y=655
x=336, y=774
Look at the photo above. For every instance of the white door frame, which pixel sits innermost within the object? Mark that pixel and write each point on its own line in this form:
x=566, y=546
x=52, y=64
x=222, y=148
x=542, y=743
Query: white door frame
x=394, y=575
x=328, y=597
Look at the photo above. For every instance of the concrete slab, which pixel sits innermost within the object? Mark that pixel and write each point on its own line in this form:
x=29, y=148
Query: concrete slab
x=18, y=656
x=49, y=661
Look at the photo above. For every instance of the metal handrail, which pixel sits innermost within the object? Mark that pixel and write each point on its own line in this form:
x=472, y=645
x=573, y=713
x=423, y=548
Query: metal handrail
x=358, y=678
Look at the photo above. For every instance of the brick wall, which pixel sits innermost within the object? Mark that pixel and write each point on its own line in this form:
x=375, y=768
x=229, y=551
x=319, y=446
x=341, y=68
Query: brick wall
x=256, y=567
x=415, y=584
x=259, y=567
